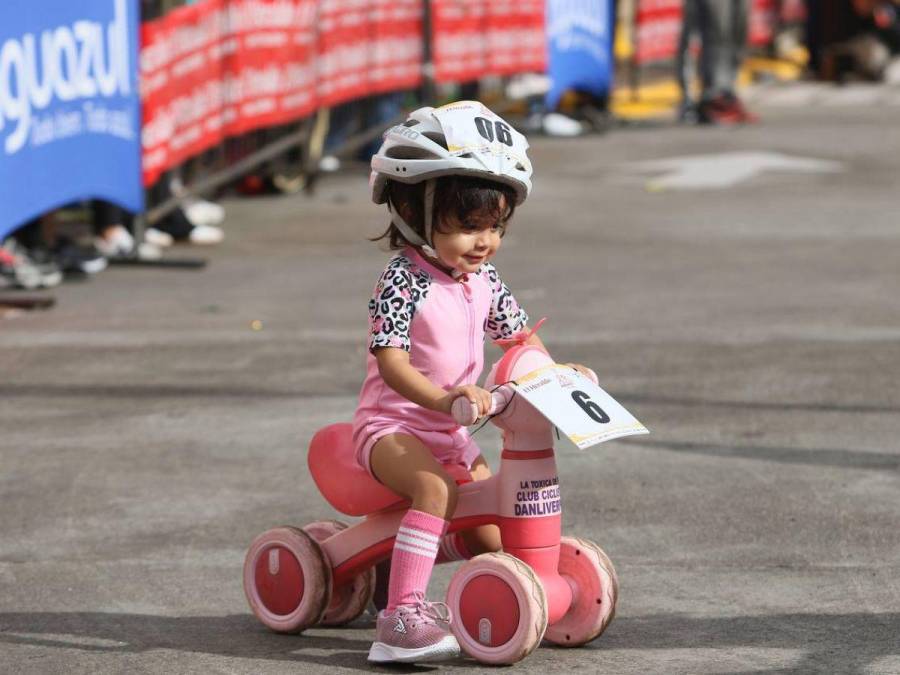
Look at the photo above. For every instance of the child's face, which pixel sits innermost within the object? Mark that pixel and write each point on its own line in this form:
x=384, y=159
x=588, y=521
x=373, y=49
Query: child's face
x=466, y=245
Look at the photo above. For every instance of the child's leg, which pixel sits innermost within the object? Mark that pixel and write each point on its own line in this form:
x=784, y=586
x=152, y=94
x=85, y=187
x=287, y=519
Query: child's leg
x=405, y=465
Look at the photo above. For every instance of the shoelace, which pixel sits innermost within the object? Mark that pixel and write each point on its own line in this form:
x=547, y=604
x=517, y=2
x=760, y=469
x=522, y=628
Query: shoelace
x=431, y=612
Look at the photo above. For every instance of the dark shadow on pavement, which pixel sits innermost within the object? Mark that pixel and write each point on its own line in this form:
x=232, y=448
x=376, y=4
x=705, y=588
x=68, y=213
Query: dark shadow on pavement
x=845, y=459
x=238, y=635
x=775, y=406
x=833, y=643
x=836, y=643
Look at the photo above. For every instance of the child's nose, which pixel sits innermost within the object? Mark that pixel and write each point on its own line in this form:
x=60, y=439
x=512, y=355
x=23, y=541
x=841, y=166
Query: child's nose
x=484, y=239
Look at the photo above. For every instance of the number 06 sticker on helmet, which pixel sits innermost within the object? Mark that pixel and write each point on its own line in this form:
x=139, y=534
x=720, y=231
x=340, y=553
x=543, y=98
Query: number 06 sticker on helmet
x=581, y=409
x=472, y=128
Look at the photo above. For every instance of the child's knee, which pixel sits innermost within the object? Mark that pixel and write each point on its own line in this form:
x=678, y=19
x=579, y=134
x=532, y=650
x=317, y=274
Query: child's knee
x=436, y=495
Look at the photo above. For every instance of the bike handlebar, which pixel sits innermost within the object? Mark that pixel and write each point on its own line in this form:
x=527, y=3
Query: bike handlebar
x=466, y=413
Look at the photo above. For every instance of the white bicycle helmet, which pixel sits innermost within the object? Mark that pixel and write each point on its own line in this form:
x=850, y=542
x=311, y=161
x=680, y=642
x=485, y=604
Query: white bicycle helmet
x=459, y=139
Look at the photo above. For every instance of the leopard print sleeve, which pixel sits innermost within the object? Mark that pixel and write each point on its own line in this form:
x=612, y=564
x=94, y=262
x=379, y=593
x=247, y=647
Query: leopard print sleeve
x=400, y=290
x=506, y=318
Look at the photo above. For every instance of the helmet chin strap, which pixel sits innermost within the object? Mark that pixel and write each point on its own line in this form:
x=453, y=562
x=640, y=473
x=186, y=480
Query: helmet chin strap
x=410, y=234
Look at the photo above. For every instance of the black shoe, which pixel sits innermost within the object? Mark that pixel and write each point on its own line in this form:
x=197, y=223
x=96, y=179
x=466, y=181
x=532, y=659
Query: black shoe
x=176, y=224
x=76, y=259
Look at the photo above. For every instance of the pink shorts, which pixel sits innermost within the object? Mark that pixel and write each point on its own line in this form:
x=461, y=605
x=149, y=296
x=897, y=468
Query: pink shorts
x=448, y=447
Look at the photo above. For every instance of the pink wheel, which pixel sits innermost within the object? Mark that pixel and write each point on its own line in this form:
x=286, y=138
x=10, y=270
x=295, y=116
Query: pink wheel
x=499, y=608
x=349, y=600
x=595, y=589
x=287, y=580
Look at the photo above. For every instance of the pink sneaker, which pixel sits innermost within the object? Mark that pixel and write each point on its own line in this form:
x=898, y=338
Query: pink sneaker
x=414, y=634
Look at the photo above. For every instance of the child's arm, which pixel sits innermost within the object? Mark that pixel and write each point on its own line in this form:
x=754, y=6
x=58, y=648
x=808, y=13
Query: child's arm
x=402, y=377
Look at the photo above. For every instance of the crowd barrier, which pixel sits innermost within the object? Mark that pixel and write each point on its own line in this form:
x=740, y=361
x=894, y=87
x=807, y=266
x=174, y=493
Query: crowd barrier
x=222, y=68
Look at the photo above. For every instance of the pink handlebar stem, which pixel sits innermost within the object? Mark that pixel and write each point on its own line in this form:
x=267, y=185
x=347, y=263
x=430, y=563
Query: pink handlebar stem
x=466, y=413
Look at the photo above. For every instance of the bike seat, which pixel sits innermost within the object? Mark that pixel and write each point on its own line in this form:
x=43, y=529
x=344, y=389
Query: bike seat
x=347, y=486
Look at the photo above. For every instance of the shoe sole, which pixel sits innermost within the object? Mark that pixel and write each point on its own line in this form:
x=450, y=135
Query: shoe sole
x=447, y=648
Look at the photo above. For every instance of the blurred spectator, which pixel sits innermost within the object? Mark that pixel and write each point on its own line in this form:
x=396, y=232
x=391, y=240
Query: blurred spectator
x=721, y=26
x=875, y=46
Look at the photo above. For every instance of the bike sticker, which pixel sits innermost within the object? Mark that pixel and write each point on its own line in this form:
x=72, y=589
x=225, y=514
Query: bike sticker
x=583, y=411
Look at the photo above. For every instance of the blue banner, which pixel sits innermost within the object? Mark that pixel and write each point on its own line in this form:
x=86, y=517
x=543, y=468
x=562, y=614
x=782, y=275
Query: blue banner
x=70, y=124
x=579, y=47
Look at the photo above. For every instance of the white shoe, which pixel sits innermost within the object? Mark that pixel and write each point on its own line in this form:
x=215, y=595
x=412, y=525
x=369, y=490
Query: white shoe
x=117, y=243
x=147, y=251
x=158, y=237
x=556, y=124
x=329, y=164
x=206, y=235
x=201, y=212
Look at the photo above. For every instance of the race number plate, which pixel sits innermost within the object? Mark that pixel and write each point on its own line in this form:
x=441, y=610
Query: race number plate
x=471, y=128
x=578, y=407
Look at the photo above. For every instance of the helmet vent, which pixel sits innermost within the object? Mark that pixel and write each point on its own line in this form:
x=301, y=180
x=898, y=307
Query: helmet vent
x=436, y=137
x=410, y=123
x=401, y=152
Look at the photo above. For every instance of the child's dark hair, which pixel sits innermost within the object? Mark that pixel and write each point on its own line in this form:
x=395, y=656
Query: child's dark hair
x=459, y=196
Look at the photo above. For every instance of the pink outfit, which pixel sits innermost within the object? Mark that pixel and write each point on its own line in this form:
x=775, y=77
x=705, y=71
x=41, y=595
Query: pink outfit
x=442, y=323
x=415, y=549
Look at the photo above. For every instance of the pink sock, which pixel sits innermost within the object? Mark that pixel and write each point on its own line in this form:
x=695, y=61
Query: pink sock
x=415, y=549
x=452, y=548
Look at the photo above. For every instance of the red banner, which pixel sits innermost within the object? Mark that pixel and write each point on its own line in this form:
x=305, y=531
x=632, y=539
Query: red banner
x=225, y=67
x=474, y=38
x=657, y=30
x=221, y=68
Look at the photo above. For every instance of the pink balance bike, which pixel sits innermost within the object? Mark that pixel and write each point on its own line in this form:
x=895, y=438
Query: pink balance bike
x=542, y=585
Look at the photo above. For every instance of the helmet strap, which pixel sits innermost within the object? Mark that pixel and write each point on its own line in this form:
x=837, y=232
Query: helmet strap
x=408, y=233
x=429, y=209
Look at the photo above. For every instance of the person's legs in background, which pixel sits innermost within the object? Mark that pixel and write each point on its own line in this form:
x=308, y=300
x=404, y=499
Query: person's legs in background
x=723, y=35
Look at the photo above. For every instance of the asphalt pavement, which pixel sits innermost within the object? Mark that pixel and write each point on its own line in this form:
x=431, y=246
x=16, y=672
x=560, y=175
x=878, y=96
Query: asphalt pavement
x=156, y=420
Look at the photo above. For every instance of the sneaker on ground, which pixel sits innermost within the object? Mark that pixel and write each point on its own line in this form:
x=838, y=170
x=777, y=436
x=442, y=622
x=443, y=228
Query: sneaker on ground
x=118, y=244
x=201, y=212
x=72, y=257
x=557, y=124
x=18, y=268
x=725, y=109
x=416, y=633
x=206, y=235
x=158, y=237
x=329, y=164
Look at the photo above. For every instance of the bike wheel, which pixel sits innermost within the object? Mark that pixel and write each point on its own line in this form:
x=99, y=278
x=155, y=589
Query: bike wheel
x=595, y=590
x=287, y=580
x=499, y=608
x=349, y=600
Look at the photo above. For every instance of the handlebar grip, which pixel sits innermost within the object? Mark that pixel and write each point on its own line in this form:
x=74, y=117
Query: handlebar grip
x=466, y=413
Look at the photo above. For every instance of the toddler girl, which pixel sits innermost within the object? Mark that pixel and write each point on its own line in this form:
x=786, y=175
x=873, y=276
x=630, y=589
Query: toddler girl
x=452, y=178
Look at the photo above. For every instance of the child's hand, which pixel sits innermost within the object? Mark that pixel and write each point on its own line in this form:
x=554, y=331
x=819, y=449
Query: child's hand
x=480, y=397
x=584, y=370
